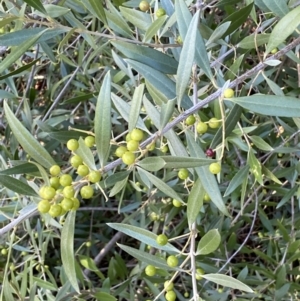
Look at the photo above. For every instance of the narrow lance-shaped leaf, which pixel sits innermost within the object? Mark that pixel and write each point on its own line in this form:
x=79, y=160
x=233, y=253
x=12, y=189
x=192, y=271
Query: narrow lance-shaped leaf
x=18, y=51
x=151, y=57
x=283, y=29
x=160, y=81
x=255, y=166
x=158, y=183
x=186, y=58
x=67, y=249
x=237, y=180
x=183, y=20
x=195, y=202
x=209, y=242
x=142, y=235
x=135, y=106
x=167, y=110
x=227, y=281
x=96, y=8
x=27, y=141
x=208, y=180
x=145, y=257
x=270, y=105
x=103, y=120
x=16, y=185
x=37, y=4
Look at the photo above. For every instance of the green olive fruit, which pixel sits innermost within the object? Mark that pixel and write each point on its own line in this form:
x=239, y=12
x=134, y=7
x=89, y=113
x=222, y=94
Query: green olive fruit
x=68, y=191
x=199, y=273
x=83, y=170
x=160, y=12
x=164, y=149
x=72, y=144
x=120, y=151
x=228, y=93
x=89, y=141
x=176, y=203
x=150, y=270
x=172, y=261
x=54, y=170
x=67, y=204
x=215, y=168
x=133, y=145
x=214, y=123
x=54, y=182
x=206, y=198
x=190, y=120
x=65, y=180
x=76, y=161
x=170, y=296
x=47, y=192
x=162, y=239
x=137, y=135
x=168, y=285
x=87, y=192
x=144, y=6
x=76, y=203
x=128, y=158
x=201, y=127
x=94, y=176
x=55, y=210
x=183, y=173
x=44, y=206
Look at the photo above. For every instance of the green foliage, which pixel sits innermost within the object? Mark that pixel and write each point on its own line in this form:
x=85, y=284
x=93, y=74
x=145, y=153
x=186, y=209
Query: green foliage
x=204, y=195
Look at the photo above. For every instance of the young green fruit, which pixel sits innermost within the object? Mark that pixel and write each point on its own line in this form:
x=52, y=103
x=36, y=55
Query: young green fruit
x=43, y=206
x=160, y=12
x=76, y=161
x=201, y=127
x=68, y=191
x=150, y=270
x=206, y=198
x=275, y=50
x=137, y=135
x=199, y=273
x=72, y=144
x=54, y=170
x=55, y=210
x=214, y=123
x=83, y=170
x=120, y=151
x=132, y=145
x=94, y=176
x=190, y=120
x=47, y=192
x=170, y=296
x=144, y=6
x=65, y=180
x=54, y=182
x=89, y=141
x=172, y=261
x=86, y=192
x=67, y=204
x=128, y=158
x=76, y=203
x=168, y=285
x=176, y=203
x=183, y=174
x=164, y=149
x=215, y=168
x=228, y=93
x=162, y=239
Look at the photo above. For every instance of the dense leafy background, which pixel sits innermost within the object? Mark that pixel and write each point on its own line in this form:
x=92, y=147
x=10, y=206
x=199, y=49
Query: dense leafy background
x=73, y=68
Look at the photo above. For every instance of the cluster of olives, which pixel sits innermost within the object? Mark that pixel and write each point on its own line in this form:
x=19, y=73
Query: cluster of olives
x=172, y=261
x=126, y=153
x=61, y=195
x=145, y=6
